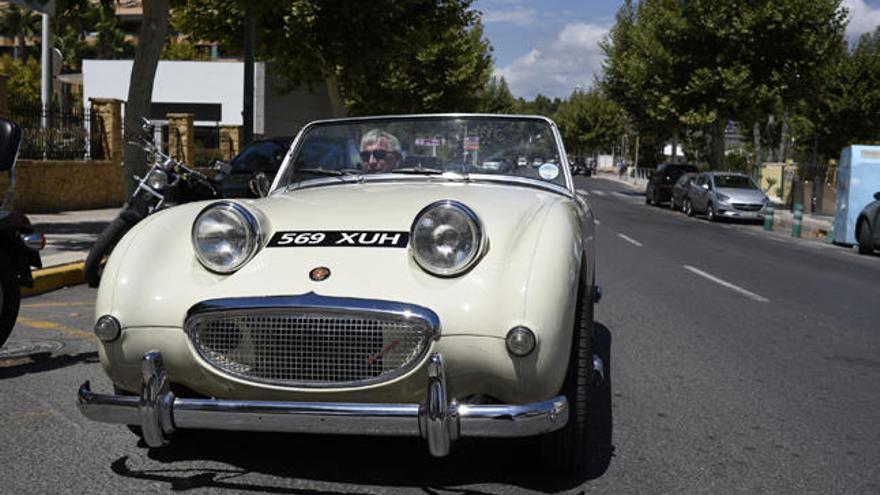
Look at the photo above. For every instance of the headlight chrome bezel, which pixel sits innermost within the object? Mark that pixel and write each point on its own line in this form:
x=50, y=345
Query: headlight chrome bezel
x=479, y=242
x=250, y=223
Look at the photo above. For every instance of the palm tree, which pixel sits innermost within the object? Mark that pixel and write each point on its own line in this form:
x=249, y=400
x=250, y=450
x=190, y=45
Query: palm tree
x=20, y=24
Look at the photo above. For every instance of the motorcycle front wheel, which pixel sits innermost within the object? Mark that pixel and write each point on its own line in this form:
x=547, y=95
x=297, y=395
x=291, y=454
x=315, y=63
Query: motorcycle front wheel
x=102, y=248
x=10, y=298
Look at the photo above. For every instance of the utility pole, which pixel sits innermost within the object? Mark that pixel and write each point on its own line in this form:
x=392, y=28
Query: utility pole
x=247, y=118
x=46, y=72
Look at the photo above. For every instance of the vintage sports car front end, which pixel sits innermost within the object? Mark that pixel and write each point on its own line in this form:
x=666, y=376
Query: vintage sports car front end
x=388, y=285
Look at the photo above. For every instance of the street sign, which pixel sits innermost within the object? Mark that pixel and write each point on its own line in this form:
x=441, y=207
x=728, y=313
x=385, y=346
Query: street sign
x=427, y=142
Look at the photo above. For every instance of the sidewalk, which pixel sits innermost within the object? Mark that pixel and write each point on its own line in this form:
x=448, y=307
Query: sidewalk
x=69, y=236
x=812, y=226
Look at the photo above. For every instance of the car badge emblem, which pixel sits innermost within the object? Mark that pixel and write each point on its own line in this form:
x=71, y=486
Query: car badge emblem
x=319, y=274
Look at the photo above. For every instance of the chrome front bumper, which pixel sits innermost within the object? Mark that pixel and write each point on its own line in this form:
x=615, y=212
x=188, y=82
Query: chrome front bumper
x=437, y=419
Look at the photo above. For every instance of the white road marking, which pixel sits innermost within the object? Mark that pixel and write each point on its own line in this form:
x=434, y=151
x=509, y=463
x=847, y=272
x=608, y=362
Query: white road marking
x=630, y=240
x=624, y=196
x=596, y=221
x=598, y=192
x=735, y=288
x=582, y=192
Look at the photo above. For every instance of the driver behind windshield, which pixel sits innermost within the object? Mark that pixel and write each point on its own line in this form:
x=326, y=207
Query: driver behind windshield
x=380, y=152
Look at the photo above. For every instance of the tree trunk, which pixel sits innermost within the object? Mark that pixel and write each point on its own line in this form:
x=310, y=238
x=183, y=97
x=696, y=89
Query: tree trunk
x=756, y=136
x=782, y=132
x=674, y=158
x=718, y=144
x=335, y=96
x=140, y=89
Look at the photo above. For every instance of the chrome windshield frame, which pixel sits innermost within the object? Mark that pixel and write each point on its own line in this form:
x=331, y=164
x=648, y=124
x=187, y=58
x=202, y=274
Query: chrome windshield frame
x=567, y=190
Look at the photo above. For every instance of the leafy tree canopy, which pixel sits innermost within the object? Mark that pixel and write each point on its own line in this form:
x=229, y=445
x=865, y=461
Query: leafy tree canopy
x=387, y=57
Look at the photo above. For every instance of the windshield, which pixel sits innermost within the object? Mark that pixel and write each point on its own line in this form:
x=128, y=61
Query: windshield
x=734, y=182
x=429, y=146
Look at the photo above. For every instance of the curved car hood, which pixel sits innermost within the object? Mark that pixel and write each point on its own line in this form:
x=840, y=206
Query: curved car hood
x=750, y=196
x=527, y=229
x=394, y=205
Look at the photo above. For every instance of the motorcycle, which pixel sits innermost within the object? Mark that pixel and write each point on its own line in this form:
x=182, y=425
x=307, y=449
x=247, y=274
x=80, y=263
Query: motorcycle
x=167, y=183
x=19, y=245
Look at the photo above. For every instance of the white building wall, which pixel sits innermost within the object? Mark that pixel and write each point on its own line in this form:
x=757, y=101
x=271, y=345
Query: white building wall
x=182, y=82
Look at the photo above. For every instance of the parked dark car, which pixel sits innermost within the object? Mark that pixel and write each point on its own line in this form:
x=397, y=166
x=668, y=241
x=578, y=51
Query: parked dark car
x=659, y=188
x=680, y=191
x=868, y=226
x=262, y=155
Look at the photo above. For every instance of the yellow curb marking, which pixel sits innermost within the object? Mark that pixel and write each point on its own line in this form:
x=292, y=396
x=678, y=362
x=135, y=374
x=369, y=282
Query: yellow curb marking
x=56, y=304
x=50, y=325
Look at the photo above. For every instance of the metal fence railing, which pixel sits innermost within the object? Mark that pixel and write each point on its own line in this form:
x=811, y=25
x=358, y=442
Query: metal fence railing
x=59, y=134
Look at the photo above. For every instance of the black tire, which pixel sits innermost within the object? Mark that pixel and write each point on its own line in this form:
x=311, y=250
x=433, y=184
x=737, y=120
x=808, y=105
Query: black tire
x=710, y=213
x=102, y=248
x=570, y=448
x=649, y=197
x=866, y=246
x=11, y=298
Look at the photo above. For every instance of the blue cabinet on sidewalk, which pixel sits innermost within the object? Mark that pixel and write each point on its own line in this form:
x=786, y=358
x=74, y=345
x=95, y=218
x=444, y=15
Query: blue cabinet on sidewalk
x=858, y=178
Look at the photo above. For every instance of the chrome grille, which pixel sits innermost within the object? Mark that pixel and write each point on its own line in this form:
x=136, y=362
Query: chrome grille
x=310, y=347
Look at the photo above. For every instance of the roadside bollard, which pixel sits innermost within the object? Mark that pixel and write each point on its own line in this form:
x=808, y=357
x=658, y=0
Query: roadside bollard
x=768, y=217
x=798, y=217
x=829, y=239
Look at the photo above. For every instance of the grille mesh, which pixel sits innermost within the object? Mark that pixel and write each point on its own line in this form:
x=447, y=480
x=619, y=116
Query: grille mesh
x=309, y=348
x=747, y=207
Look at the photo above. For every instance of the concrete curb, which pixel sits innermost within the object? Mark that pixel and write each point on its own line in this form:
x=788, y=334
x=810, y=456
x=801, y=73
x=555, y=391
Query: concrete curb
x=55, y=277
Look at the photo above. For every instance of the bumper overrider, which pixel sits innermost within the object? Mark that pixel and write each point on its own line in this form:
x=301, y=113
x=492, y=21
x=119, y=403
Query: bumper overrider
x=437, y=419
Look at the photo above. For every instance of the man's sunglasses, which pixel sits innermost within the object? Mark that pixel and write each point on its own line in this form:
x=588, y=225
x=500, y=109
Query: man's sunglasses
x=379, y=154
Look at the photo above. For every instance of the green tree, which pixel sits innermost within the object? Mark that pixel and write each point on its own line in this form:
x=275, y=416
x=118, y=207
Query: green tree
x=393, y=57
x=20, y=24
x=590, y=122
x=495, y=97
x=24, y=80
x=695, y=65
x=850, y=114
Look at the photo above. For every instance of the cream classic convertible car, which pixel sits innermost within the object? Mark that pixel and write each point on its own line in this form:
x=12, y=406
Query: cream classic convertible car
x=389, y=284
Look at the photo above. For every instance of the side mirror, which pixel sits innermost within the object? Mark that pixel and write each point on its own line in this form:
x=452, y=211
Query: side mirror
x=222, y=167
x=877, y=195
x=10, y=139
x=259, y=185
x=705, y=186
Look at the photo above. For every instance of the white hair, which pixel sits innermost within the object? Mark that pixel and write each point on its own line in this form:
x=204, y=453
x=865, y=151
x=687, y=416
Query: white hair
x=376, y=135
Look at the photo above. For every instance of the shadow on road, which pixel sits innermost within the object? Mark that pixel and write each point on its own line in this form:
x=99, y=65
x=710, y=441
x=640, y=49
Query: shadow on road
x=43, y=361
x=373, y=461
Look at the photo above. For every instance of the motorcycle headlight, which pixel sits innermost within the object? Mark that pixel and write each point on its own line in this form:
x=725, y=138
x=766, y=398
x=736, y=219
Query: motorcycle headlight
x=158, y=179
x=446, y=238
x=225, y=236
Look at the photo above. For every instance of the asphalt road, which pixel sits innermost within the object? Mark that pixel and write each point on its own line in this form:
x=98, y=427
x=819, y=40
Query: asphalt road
x=741, y=362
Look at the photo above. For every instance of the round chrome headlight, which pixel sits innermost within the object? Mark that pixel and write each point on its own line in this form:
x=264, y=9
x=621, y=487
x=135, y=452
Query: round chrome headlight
x=446, y=238
x=158, y=179
x=225, y=236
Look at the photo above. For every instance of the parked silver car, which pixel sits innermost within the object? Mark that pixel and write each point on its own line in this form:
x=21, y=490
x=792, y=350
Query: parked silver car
x=725, y=195
x=868, y=226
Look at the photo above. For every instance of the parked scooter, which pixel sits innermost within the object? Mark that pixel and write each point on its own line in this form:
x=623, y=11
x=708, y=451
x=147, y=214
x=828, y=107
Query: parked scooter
x=167, y=183
x=19, y=245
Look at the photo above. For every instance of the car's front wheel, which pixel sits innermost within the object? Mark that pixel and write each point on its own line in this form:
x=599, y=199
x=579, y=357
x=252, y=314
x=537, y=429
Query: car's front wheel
x=571, y=448
x=688, y=207
x=865, y=244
